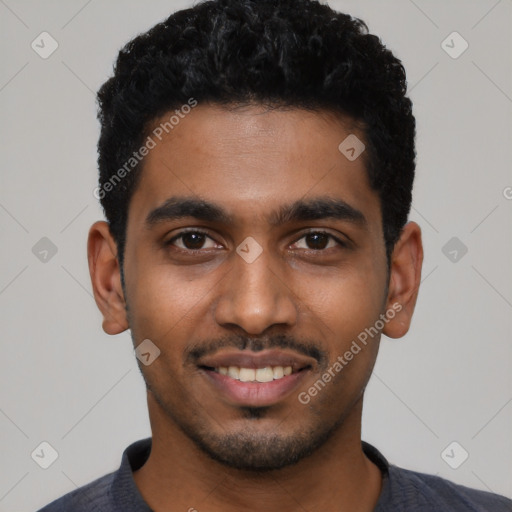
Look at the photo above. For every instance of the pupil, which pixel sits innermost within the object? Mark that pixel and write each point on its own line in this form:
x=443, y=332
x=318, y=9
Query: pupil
x=193, y=240
x=317, y=240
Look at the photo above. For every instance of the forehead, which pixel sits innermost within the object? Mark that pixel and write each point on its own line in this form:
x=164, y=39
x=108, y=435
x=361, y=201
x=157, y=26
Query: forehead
x=252, y=160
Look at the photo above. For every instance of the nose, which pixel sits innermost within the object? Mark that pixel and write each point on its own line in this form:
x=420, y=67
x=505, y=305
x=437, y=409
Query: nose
x=255, y=297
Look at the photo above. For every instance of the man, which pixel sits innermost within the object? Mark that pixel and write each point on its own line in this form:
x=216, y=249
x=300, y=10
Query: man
x=256, y=166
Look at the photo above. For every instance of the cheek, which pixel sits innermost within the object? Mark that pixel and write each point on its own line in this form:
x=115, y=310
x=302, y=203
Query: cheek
x=348, y=301
x=164, y=301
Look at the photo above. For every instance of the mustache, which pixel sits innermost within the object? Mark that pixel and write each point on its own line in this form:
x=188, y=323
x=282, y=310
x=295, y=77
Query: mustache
x=240, y=342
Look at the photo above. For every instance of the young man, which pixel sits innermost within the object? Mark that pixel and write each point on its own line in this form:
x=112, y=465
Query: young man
x=256, y=166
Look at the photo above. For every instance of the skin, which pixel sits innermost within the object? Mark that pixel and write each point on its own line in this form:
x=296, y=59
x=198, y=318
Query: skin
x=251, y=161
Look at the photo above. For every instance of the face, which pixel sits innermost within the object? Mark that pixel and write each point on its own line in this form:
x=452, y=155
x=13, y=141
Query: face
x=254, y=260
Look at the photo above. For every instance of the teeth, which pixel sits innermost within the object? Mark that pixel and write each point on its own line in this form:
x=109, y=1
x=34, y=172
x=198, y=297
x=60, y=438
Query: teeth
x=266, y=374
x=234, y=372
x=278, y=372
x=247, y=374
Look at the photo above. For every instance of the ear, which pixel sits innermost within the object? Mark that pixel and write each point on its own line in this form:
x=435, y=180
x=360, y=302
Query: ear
x=106, y=278
x=404, y=280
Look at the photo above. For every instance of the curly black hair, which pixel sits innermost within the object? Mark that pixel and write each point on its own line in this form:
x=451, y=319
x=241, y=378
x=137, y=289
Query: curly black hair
x=281, y=53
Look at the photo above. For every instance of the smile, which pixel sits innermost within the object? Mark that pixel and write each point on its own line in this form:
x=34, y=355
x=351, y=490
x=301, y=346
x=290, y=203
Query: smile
x=250, y=379
x=266, y=374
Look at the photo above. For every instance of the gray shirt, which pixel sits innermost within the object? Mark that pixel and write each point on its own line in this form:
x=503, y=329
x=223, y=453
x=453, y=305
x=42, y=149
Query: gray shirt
x=402, y=490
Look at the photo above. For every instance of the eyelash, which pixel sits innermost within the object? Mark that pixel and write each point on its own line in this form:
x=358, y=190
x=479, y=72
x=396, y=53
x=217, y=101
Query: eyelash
x=200, y=232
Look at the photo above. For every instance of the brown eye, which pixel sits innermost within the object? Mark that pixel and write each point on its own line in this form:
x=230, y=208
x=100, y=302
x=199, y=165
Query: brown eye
x=317, y=240
x=192, y=241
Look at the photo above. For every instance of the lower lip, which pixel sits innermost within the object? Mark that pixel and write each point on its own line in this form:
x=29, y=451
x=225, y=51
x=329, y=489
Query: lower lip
x=255, y=394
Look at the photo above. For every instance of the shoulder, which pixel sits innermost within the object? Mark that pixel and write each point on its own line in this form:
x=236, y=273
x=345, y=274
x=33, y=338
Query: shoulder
x=435, y=493
x=93, y=496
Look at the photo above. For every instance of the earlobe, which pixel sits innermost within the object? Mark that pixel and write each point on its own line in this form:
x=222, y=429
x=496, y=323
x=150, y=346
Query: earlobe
x=404, y=281
x=106, y=278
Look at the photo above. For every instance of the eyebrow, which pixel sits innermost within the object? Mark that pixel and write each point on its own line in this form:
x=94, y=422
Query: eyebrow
x=317, y=209
x=177, y=208
x=302, y=210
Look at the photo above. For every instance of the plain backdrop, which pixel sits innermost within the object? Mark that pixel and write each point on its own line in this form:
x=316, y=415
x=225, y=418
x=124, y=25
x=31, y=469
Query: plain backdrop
x=65, y=382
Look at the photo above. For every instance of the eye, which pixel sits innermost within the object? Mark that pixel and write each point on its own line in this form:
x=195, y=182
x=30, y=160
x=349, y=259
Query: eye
x=317, y=241
x=192, y=241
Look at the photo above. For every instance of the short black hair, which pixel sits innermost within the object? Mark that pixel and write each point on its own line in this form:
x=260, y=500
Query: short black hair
x=281, y=53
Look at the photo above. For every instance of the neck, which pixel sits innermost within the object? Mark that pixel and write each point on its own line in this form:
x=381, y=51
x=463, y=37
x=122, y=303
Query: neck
x=338, y=476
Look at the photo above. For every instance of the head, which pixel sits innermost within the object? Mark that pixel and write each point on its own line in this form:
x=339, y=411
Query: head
x=241, y=232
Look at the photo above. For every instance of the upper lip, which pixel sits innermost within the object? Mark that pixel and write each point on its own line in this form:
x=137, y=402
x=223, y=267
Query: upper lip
x=249, y=359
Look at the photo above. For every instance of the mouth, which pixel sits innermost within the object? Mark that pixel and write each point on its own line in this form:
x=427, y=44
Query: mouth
x=266, y=374
x=249, y=379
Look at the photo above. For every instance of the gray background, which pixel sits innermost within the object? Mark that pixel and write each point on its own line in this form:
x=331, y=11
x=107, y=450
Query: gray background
x=66, y=382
